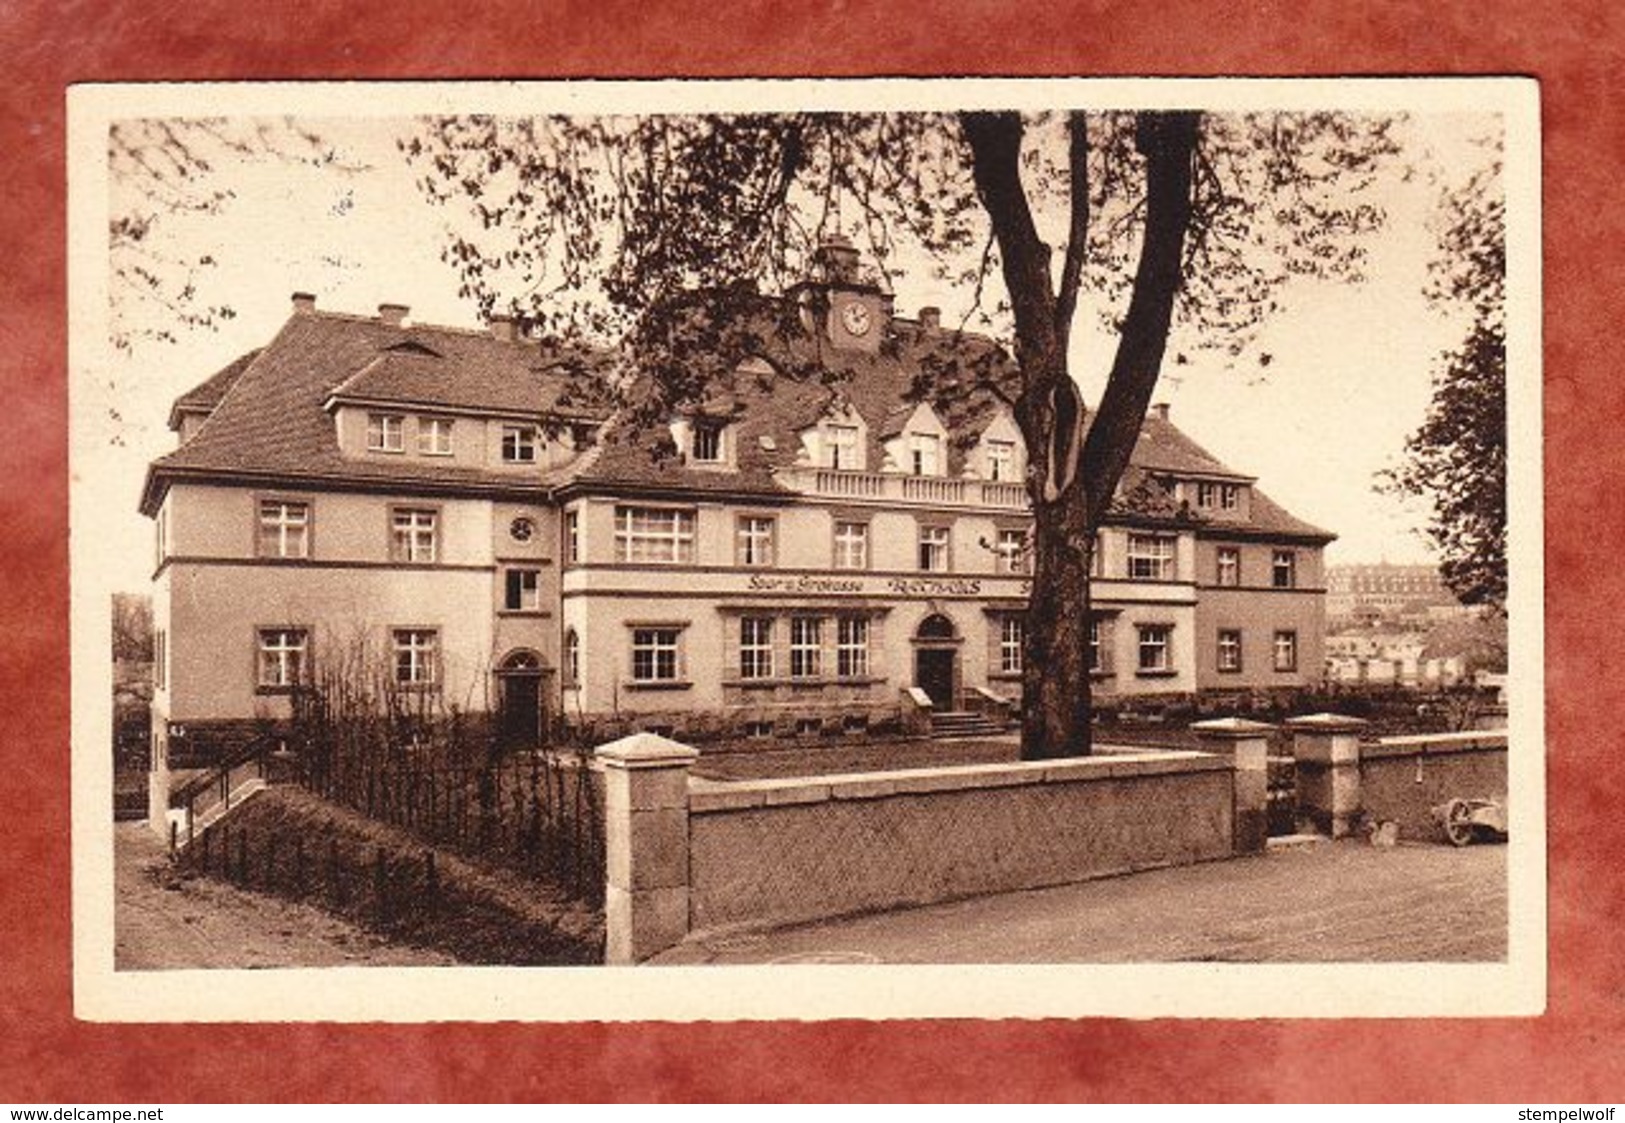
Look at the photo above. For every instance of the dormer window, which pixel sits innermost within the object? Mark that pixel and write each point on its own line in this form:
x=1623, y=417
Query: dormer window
x=386, y=432
x=519, y=444
x=1225, y=497
x=1001, y=460
x=706, y=447
x=841, y=447
x=925, y=454
x=434, y=436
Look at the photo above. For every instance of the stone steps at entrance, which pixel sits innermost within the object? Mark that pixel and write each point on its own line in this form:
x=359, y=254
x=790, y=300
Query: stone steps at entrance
x=964, y=723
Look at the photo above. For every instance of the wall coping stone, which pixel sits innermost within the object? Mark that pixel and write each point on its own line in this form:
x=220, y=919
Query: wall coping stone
x=1228, y=728
x=725, y=795
x=1432, y=744
x=1326, y=723
x=646, y=750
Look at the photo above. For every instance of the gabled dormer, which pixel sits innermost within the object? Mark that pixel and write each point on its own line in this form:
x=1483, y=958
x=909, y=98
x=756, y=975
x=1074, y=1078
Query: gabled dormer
x=915, y=442
x=999, y=455
x=706, y=442
x=839, y=441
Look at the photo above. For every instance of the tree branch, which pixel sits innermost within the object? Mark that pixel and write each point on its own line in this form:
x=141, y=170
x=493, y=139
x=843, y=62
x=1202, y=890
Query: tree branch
x=1077, y=239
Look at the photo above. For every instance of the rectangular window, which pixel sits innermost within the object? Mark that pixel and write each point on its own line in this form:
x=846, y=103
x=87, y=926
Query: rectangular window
x=1151, y=557
x=1097, y=650
x=1286, y=651
x=654, y=654
x=1206, y=494
x=1229, y=497
x=572, y=658
x=1229, y=565
x=707, y=444
x=519, y=444
x=413, y=534
x=1229, y=650
x=852, y=647
x=416, y=656
x=851, y=545
x=925, y=454
x=1284, y=571
x=1012, y=633
x=654, y=534
x=1001, y=460
x=934, y=549
x=434, y=436
x=572, y=536
x=1154, y=644
x=522, y=590
x=284, y=529
x=161, y=530
x=1012, y=551
x=282, y=661
x=755, y=541
x=756, y=647
x=160, y=659
x=841, y=446
x=386, y=432
x=806, y=646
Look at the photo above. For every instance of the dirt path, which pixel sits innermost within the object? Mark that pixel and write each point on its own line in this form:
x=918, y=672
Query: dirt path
x=164, y=923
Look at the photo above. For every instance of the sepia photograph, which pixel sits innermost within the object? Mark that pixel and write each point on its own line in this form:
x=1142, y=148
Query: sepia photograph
x=865, y=548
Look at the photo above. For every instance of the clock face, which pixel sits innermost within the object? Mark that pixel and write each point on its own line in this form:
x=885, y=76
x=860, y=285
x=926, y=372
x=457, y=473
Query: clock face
x=855, y=317
x=521, y=529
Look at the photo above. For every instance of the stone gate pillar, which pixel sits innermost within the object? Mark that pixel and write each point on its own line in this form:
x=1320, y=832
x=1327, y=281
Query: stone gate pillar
x=1247, y=744
x=645, y=845
x=1326, y=753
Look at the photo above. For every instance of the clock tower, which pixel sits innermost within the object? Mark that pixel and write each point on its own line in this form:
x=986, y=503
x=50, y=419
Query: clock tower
x=858, y=310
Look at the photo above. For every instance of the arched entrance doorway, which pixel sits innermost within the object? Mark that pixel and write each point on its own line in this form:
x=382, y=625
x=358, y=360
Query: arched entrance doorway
x=936, y=658
x=520, y=713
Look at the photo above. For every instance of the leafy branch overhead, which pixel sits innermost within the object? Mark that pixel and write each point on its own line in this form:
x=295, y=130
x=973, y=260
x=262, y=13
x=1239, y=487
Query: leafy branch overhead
x=661, y=235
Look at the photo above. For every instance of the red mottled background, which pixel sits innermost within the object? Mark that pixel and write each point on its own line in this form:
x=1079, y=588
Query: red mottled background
x=1575, y=1052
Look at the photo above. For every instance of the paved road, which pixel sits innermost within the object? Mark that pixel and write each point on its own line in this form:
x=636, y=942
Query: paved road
x=162, y=922
x=1331, y=902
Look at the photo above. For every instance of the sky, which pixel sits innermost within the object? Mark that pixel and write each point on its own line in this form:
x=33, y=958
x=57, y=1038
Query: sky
x=1349, y=377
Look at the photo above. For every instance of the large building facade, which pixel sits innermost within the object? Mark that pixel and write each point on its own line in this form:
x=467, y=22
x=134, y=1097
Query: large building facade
x=803, y=556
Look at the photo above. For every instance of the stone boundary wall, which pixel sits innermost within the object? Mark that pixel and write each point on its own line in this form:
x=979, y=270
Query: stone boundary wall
x=781, y=851
x=1403, y=778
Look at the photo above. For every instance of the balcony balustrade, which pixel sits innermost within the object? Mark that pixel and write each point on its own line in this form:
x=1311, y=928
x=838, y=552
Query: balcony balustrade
x=889, y=487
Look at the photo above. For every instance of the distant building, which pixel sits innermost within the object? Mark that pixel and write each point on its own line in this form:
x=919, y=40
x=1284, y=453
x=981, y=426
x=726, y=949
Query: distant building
x=1383, y=593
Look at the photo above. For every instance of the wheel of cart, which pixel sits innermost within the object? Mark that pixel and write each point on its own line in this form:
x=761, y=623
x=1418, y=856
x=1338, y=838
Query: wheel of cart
x=1463, y=820
x=1458, y=822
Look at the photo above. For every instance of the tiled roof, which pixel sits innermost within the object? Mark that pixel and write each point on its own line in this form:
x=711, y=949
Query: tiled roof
x=207, y=394
x=268, y=417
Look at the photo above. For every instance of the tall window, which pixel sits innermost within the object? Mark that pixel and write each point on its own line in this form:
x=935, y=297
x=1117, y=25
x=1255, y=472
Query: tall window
x=841, y=446
x=519, y=444
x=161, y=529
x=654, y=654
x=851, y=545
x=1229, y=649
x=1226, y=497
x=1012, y=551
x=755, y=647
x=284, y=529
x=706, y=447
x=1229, y=565
x=755, y=541
x=386, y=432
x=806, y=646
x=572, y=536
x=434, y=436
x=1154, y=647
x=160, y=659
x=1001, y=460
x=1286, y=651
x=852, y=647
x=572, y=658
x=925, y=454
x=654, y=534
x=282, y=661
x=416, y=662
x=1151, y=557
x=522, y=590
x=1284, y=571
x=1011, y=634
x=413, y=534
x=1097, y=649
x=934, y=549
x=1229, y=496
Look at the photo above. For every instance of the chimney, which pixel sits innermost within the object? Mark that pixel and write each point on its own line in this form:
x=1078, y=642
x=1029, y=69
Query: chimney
x=501, y=327
x=930, y=320
x=1160, y=411
x=304, y=303
x=838, y=259
x=392, y=314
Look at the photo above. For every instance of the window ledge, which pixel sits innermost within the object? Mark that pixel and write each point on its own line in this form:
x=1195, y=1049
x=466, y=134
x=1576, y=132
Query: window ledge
x=274, y=691
x=1004, y=676
x=1144, y=673
x=671, y=684
x=1102, y=674
x=534, y=613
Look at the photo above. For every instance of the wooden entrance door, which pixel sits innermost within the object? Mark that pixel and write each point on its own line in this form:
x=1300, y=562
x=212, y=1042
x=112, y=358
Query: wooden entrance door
x=934, y=674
